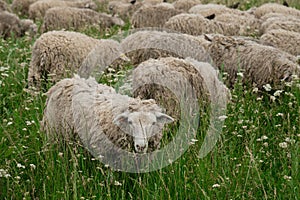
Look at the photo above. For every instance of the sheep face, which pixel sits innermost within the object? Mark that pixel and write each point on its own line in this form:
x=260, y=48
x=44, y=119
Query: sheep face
x=142, y=125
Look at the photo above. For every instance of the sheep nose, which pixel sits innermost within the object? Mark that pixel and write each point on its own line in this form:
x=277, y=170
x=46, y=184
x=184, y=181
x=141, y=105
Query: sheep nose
x=140, y=148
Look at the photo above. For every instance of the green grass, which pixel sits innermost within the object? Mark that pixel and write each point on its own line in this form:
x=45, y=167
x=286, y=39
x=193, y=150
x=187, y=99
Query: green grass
x=257, y=157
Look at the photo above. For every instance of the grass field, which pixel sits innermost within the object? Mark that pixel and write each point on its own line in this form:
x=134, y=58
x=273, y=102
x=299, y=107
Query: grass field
x=257, y=157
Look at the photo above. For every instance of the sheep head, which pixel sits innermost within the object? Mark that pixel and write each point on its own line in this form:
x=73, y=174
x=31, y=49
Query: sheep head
x=142, y=125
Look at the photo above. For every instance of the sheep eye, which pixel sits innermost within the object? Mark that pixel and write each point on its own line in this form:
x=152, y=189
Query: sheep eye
x=130, y=122
x=153, y=123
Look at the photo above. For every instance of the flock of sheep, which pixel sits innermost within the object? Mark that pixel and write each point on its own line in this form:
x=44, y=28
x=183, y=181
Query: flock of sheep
x=195, y=41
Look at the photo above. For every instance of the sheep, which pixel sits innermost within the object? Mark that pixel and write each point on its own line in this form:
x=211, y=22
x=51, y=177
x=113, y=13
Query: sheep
x=70, y=18
x=280, y=21
x=275, y=8
x=259, y=64
x=58, y=54
x=38, y=9
x=124, y=10
x=10, y=24
x=288, y=41
x=210, y=9
x=4, y=6
x=21, y=7
x=142, y=45
x=185, y=5
x=170, y=81
x=153, y=15
x=195, y=24
x=102, y=118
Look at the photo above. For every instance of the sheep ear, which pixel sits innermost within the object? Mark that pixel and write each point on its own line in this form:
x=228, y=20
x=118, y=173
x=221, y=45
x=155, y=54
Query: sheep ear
x=163, y=118
x=121, y=119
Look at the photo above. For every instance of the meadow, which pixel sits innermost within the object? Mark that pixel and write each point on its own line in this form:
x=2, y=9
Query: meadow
x=257, y=156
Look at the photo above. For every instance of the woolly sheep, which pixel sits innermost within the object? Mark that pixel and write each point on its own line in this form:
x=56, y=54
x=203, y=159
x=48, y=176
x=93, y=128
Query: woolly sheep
x=142, y=45
x=38, y=9
x=280, y=21
x=99, y=116
x=170, y=80
x=70, y=18
x=195, y=24
x=259, y=64
x=288, y=41
x=21, y=7
x=58, y=54
x=210, y=9
x=153, y=15
x=10, y=24
x=185, y=5
x=124, y=10
x=275, y=8
x=4, y=6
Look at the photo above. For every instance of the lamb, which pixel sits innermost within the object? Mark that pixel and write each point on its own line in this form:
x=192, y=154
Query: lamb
x=11, y=25
x=21, y=7
x=288, y=41
x=142, y=45
x=259, y=64
x=275, y=8
x=185, y=5
x=195, y=24
x=77, y=19
x=153, y=15
x=103, y=119
x=38, y=9
x=58, y=54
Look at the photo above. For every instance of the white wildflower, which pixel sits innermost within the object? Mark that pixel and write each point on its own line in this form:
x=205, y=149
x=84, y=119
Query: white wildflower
x=279, y=114
x=216, y=185
x=19, y=165
x=277, y=93
x=9, y=123
x=32, y=166
x=264, y=137
x=255, y=90
x=287, y=177
x=117, y=183
x=272, y=98
x=222, y=117
x=240, y=74
x=283, y=145
x=267, y=87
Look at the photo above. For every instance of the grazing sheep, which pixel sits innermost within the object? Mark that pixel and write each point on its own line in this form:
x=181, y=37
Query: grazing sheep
x=288, y=41
x=4, y=6
x=259, y=64
x=185, y=5
x=142, y=45
x=275, y=8
x=58, y=54
x=170, y=81
x=209, y=9
x=153, y=15
x=249, y=24
x=100, y=116
x=124, y=10
x=21, y=7
x=280, y=21
x=195, y=24
x=38, y=9
x=10, y=24
x=76, y=19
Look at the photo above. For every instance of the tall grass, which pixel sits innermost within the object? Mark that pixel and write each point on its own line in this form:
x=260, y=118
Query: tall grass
x=257, y=156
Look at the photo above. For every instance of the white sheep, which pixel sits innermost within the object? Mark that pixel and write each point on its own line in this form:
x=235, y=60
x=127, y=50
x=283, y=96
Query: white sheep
x=195, y=24
x=288, y=41
x=4, y=6
x=121, y=9
x=58, y=54
x=185, y=5
x=260, y=64
x=153, y=15
x=144, y=44
x=76, y=19
x=100, y=117
x=38, y=9
x=11, y=24
x=212, y=9
x=275, y=8
x=21, y=7
x=279, y=21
